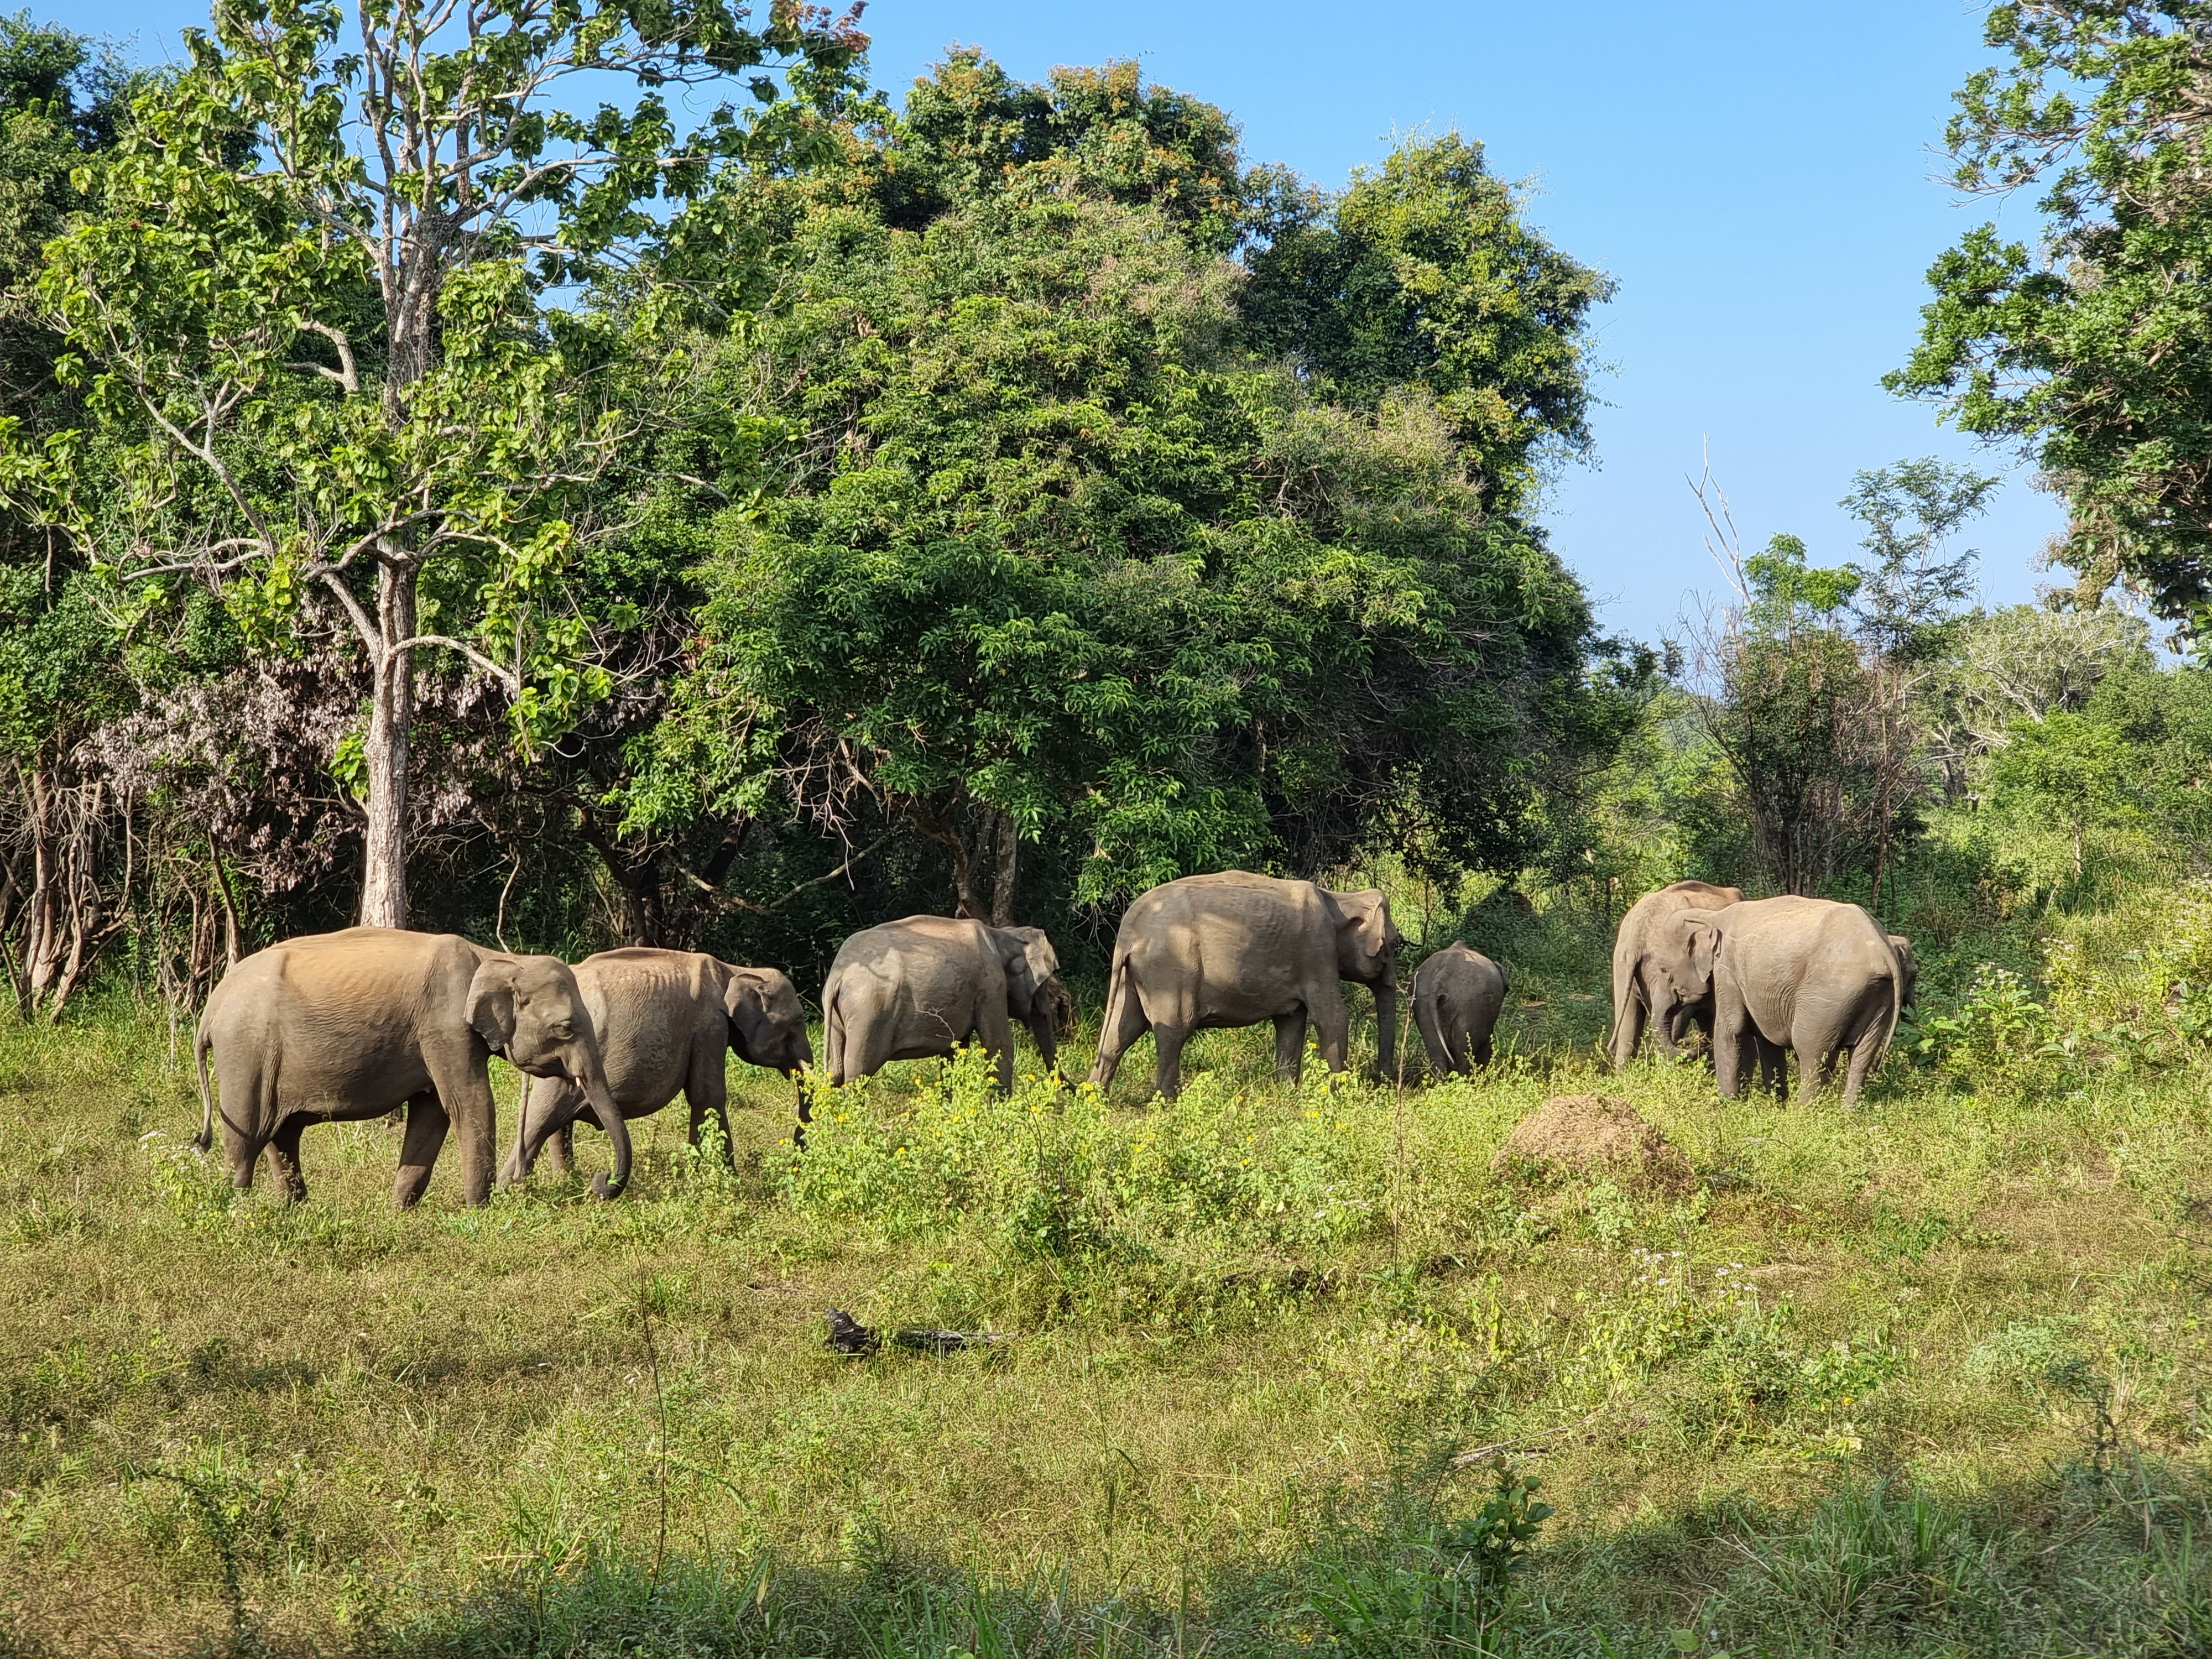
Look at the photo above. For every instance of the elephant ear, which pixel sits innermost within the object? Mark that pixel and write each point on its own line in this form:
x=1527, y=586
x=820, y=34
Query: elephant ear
x=1704, y=940
x=1029, y=962
x=491, y=1003
x=1364, y=925
x=752, y=1024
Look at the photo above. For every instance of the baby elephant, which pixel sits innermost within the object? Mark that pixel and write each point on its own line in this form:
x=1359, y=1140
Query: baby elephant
x=1457, y=994
x=666, y=1021
x=912, y=989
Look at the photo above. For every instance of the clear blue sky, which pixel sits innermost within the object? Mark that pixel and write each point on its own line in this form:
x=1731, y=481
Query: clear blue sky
x=1763, y=180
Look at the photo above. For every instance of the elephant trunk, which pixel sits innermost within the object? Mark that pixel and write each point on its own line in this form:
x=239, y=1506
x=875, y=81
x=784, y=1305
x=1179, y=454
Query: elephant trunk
x=1386, y=1022
x=610, y=1119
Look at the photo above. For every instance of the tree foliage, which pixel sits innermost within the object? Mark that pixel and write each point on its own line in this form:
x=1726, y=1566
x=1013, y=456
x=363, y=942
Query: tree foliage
x=1054, y=557
x=2092, y=353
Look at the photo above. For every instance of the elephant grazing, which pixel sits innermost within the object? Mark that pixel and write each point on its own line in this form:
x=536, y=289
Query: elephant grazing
x=666, y=1021
x=1457, y=994
x=336, y=1027
x=1235, y=949
x=919, y=988
x=1650, y=978
x=1801, y=974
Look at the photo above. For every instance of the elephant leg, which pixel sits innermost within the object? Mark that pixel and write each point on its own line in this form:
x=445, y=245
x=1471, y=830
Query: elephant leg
x=1666, y=1021
x=284, y=1160
x=1816, y=1062
x=463, y=1091
x=1628, y=1015
x=1289, y=1045
x=1866, y=1037
x=707, y=1090
x=1333, y=1028
x=247, y=1101
x=1866, y=1048
x=1124, y=1023
x=1167, y=1077
x=996, y=1030
x=1484, y=1052
x=1732, y=1036
x=426, y=1124
x=561, y=1149
x=548, y=1114
x=1463, y=1056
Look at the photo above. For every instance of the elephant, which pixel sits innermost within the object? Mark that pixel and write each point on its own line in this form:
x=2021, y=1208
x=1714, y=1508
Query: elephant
x=1801, y=974
x=1457, y=994
x=1234, y=949
x=337, y=1028
x=666, y=1021
x=1648, y=981
x=919, y=986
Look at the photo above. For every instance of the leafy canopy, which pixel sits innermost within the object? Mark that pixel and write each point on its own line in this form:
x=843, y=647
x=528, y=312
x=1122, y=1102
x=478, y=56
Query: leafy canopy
x=1047, y=542
x=2094, y=356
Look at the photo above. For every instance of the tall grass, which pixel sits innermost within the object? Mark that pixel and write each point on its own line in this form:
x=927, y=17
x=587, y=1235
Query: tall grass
x=1274, y=1368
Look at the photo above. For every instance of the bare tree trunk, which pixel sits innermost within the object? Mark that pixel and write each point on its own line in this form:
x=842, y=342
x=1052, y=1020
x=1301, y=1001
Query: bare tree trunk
x=40, y=934
x=1002, y=887
x=391, y=729
x=229, y=908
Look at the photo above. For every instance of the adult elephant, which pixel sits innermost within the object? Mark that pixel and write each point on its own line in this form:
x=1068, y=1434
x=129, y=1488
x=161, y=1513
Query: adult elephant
x=919, y=988
x=338, y=1027
x=1457, y=994
x=1651, y=981
x=1802, y=975
x=666, y=1021
x=1237, y=950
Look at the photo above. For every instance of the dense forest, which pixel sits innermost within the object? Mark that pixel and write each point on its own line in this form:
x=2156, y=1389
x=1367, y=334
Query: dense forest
x=997, y=503
x=576, y=530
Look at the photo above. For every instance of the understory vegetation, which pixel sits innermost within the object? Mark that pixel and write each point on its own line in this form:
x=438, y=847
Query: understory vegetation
x=1269, y=1369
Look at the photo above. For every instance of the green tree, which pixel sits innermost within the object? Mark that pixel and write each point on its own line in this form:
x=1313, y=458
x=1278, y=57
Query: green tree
x=60, y=669
x=2093, y=353
x=1050, y=559
x=2068, y=765
x=309, y=318
x=1426, y=272
x=1814, y=670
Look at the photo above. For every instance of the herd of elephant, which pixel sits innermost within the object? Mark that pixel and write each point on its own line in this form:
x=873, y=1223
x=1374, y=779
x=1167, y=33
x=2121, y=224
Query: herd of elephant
x=349, y=1026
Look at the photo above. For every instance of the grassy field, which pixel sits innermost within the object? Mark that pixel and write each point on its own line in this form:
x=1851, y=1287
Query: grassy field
x=1276, y=1368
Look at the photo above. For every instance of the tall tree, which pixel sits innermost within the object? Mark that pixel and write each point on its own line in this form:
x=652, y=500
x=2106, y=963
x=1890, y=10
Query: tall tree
x=309, y=314
x=1049, y=555
x=2093, y=353
x=1426, y=271
x=60, y=98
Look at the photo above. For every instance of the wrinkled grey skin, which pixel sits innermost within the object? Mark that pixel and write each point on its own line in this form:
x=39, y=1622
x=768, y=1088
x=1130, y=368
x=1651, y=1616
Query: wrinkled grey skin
x=1795, y=973
x=667, y=1021
x=1908, y=986
x=1651, y=981
x=1457, y=994
x=1237, y=950
x=337, y=1028
x=918, y=988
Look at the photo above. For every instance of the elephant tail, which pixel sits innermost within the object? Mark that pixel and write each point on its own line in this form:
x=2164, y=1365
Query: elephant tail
x=1119, y=990
x=1896, y=1013
x=201, y=1043
x=1432, y=1037
x=833, y=1032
